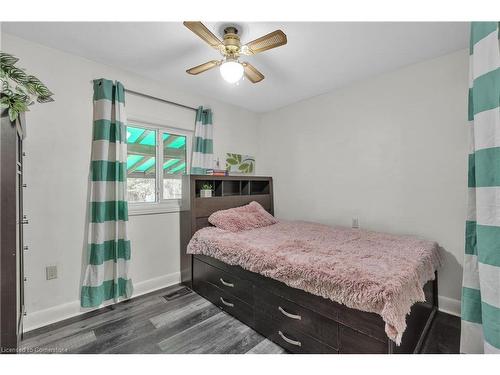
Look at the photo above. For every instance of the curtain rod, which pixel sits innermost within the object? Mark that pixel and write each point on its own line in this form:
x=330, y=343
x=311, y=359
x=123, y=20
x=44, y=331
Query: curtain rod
x=159, y=99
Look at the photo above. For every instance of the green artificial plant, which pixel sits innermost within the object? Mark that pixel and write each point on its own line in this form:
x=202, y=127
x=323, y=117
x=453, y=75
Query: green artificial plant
x=206, y=187
x=18, y=90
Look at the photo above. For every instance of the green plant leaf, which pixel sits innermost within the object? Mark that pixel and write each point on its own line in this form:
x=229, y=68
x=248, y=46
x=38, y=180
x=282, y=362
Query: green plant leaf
x=5, y=100
x=13, y=114
x=238, y=157
x=38, y=87
x=7, y=59
x=44, y=99
x=250, y=168
x=231, y=161
x=243, y=167
x=7, y=91
x=20, y=106
x=16, y=74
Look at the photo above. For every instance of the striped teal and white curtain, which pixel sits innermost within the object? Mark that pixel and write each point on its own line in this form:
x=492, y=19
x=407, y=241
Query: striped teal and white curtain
x=481, y=280
x=106, y=275
x=203, y=149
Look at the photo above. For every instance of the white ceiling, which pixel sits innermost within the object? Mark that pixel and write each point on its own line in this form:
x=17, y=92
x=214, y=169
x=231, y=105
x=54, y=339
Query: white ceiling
x=318, y=58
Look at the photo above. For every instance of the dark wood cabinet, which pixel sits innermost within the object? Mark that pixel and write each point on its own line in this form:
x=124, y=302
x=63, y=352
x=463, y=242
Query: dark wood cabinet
x=12, y=221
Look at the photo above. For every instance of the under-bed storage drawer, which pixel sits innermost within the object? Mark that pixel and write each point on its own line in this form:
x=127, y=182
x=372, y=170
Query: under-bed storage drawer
x=234, y=306
x=354, y=342
x=291, y=339
x=233, y=285
x=289, y=315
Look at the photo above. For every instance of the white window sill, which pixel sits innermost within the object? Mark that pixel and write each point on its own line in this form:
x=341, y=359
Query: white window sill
x=136, y=209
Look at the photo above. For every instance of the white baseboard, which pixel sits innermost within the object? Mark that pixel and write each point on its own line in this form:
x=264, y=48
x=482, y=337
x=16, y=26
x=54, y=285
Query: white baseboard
x=449, y=305
x=37, y=319
x=151, y=285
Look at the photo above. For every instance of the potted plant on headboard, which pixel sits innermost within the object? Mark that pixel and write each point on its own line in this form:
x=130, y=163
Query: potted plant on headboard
x=18, y=90
x=206, y=191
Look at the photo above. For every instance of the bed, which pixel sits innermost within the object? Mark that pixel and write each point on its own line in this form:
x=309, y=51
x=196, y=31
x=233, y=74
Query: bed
x=310, y=288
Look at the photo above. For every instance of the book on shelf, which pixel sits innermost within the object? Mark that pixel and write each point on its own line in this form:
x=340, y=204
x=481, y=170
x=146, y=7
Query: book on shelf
x=216, y=172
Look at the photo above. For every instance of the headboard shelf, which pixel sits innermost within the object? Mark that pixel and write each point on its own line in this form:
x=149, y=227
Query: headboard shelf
x=227, y=192
x=232, y=186
x=250, y=196
x=245, y=187
x=259, y=187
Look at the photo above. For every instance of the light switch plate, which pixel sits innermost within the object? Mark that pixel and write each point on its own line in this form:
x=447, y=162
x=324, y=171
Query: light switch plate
x=51, y=272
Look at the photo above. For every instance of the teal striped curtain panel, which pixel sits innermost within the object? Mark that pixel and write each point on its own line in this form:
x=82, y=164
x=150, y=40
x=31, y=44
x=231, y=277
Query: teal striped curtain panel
x=106, y=275
x=203, y=149
x=481, y=280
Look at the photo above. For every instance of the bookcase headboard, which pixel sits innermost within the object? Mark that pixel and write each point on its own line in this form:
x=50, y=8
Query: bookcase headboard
x=227, y=192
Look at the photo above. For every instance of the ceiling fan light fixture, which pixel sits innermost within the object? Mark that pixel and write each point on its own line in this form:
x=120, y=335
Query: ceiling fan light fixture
x=231, y=71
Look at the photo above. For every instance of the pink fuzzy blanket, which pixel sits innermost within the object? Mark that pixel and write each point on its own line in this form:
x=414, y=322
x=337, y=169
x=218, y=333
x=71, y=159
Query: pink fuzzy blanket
x=369, y=271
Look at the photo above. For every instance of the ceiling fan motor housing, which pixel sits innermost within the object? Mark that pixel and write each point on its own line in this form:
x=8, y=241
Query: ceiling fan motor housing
x=232, y=40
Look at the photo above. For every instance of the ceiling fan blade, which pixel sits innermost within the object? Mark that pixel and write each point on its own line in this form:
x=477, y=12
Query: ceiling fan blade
x=203, y=67
x=272, y=40
x=201, y=30
x=251, y=73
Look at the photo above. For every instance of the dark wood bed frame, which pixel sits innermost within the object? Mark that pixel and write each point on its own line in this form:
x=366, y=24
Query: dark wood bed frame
x=297, y=320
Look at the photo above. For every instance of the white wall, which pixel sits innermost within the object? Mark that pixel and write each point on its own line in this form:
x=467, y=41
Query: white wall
x=58, y=154
x=391, y=150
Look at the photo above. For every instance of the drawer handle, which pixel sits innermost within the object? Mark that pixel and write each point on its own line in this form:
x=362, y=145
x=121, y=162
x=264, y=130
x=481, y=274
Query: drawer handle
x=290, y=341
x=286, y=313
x=226, y=303
x=226, y=283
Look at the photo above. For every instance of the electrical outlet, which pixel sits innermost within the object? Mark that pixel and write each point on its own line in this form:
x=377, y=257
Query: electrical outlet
x=51, y=272
x=355, y=222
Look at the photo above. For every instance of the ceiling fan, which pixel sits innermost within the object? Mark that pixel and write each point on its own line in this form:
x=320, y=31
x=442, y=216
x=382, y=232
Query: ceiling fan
x=231, y=69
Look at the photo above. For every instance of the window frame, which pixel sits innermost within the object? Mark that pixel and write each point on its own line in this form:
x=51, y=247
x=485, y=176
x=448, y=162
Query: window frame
x=160, y=205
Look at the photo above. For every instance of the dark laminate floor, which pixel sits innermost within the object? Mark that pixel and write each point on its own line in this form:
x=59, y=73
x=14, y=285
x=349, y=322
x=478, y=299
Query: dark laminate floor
x=444, y=335
x=183, y=323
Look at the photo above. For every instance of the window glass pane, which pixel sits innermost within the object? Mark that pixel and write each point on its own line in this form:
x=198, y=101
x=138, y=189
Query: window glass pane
x=141, y=164
x=174, y=164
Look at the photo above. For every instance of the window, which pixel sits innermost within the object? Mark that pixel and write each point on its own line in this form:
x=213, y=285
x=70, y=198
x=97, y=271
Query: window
x=141, y=164
x=157, y=157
